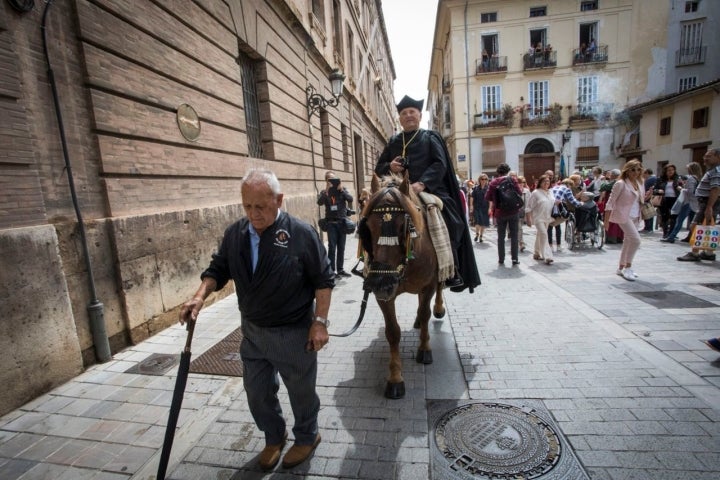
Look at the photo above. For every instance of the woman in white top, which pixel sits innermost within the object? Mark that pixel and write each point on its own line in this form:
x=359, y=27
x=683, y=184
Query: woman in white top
x=539, y=212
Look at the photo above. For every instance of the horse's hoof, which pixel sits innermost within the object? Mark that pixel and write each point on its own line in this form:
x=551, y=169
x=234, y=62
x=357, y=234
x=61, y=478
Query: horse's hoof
x=424, y=356
x=439, y=314
x=395, y=390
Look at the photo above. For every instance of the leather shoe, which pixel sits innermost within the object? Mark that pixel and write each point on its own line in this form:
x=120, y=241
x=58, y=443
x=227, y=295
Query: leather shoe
x=271, y=454
x=455, y=281
x=299, y=453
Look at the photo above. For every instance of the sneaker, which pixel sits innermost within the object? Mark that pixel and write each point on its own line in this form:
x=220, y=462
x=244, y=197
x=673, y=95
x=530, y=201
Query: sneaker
x=548, y=261
x=689, y=257
x=667, y=240
x=707, y=256
x=619, y=272
x=516, y=262
x=343, y=273
x=628, y=274
x=559, y=248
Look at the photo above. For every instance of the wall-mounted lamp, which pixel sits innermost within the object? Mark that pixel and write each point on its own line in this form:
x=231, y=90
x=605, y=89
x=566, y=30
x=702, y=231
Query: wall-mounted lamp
x=315, y=101
x=567, y=134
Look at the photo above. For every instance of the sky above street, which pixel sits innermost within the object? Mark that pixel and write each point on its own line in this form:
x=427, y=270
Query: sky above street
x=410, y=26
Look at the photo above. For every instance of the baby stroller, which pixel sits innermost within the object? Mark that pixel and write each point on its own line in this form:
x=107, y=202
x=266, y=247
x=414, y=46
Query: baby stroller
x=585, y=224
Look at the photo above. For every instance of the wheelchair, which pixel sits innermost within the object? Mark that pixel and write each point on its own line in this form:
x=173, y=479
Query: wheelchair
x=583, y=225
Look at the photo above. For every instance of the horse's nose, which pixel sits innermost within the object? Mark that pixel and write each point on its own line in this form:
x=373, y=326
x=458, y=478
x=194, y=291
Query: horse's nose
x=382, y=281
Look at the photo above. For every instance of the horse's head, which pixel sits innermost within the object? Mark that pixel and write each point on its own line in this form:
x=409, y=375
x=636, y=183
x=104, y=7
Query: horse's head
x=391, y=219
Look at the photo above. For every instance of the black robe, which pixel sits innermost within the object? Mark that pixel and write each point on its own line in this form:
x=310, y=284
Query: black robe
x=429, y=162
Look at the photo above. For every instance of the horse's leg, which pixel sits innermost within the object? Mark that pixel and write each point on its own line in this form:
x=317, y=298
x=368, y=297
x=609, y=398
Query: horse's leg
x=439, y=308
x=424, y=353
x=395, y=387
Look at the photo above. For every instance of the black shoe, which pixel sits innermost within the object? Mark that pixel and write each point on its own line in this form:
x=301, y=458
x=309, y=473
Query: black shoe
x=455, y=281
x=343, y=273
x=667, y=240
x=516, y=262
x=686, y=239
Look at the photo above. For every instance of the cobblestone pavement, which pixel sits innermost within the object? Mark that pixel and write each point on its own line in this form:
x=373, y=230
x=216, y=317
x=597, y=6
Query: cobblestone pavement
x=629, y=383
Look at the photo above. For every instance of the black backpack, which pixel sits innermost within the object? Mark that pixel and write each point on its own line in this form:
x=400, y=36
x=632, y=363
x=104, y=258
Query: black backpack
x=506, y=196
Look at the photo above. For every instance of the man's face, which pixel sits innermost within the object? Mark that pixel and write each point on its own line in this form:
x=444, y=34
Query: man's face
x=410, y=118
x=260, y=204
x=550, y=174
x=711, y=159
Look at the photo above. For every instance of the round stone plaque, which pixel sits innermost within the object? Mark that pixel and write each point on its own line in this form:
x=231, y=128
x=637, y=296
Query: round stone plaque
x=491, y=440
x=188, y=122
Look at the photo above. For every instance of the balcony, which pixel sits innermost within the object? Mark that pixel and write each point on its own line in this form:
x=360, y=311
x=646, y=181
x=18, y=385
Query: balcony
x=595, y=111
x=495, y=118
x=583, y=56
x=548, y=117
x=446, y=83
x=690, y=56
x=492, y=64
x=546, y=59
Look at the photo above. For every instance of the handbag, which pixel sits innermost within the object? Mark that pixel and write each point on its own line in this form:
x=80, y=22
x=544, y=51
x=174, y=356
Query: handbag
x=656, y=200
x=705, y=237
x=323, y=224
x=647, y=211
x=349, y=226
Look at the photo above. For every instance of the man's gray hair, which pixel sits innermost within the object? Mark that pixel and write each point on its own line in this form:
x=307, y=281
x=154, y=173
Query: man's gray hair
x=715, y=151
x=263, y=176
x=615, y=171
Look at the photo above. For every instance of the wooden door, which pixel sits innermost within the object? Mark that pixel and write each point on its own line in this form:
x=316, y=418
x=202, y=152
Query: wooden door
x=536, y=165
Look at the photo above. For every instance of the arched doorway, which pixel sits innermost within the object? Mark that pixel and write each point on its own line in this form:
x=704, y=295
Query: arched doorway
x=539, y=156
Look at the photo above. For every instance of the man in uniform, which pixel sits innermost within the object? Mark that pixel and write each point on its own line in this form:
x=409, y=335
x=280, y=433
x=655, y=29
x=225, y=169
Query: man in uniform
x=425, y=155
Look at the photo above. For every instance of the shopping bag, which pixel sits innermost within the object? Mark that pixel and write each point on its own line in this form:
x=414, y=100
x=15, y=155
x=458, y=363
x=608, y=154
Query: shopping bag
x=705, y=237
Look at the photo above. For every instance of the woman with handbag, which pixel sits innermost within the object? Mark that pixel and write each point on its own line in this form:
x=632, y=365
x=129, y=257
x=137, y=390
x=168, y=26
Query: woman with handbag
x=539, y=212
x=623, y=208
x=689, y=205
x=669, y=186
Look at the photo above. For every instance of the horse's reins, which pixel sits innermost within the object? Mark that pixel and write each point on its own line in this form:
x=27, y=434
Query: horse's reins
x=399, y=270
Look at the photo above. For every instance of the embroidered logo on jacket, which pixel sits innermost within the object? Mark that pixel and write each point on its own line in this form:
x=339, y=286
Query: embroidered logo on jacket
x=282, y=238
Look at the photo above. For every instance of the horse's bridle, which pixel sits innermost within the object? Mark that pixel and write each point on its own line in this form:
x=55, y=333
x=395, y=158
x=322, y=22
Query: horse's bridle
x=389, y=213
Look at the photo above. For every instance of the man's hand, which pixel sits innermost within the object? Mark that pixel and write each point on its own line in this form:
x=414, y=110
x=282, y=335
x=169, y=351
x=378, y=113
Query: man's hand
x=317, y=337
x=396, y=165
x=190, y=310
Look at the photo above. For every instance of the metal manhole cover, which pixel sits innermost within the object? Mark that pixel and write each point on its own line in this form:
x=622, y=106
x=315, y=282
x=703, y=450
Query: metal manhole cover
x=671, y=299
x=155, y=364
x=223, y=358
x=500, y=441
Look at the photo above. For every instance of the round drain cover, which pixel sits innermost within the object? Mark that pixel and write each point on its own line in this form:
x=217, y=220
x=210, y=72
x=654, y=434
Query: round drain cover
x=497, y=441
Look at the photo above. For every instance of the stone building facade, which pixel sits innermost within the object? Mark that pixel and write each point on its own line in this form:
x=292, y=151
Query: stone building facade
x=164, y=106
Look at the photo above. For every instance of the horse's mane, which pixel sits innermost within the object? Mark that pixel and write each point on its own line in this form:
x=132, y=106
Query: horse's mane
x=409, y=202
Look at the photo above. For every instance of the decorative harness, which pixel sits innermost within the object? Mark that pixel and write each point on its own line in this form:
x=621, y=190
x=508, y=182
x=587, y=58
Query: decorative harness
x=388, y=234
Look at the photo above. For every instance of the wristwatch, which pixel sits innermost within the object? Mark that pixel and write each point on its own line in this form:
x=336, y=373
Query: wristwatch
x=323, y=320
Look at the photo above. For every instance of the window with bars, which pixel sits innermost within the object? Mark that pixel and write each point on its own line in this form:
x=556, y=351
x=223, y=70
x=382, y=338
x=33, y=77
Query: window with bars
x=491, y=102
x=252, y=104
x=665, y=123
x=587, y=94
x=538, y=96
x=538, y=11
x=690, y=42
x=687, y=83
x=488, y=17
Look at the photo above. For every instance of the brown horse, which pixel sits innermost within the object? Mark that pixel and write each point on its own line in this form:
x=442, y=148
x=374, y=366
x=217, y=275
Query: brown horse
x=400, y=258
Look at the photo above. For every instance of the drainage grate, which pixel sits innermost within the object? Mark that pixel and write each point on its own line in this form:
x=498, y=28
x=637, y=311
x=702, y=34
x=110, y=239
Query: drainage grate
x=223, y=358
x=671, y=299
x=155, y=364
x=498, y=441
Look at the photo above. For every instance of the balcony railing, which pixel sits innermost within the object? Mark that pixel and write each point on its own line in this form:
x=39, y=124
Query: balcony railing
x=597, y=111
x=546, y=59
x=690, y=56
x=582, y=56
x=491, y=64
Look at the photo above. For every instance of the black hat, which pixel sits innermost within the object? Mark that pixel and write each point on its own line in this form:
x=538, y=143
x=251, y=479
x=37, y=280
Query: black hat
x=409, y=102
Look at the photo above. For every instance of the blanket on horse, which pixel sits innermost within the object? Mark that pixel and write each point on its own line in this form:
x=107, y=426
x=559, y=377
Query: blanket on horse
x=438, y=234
